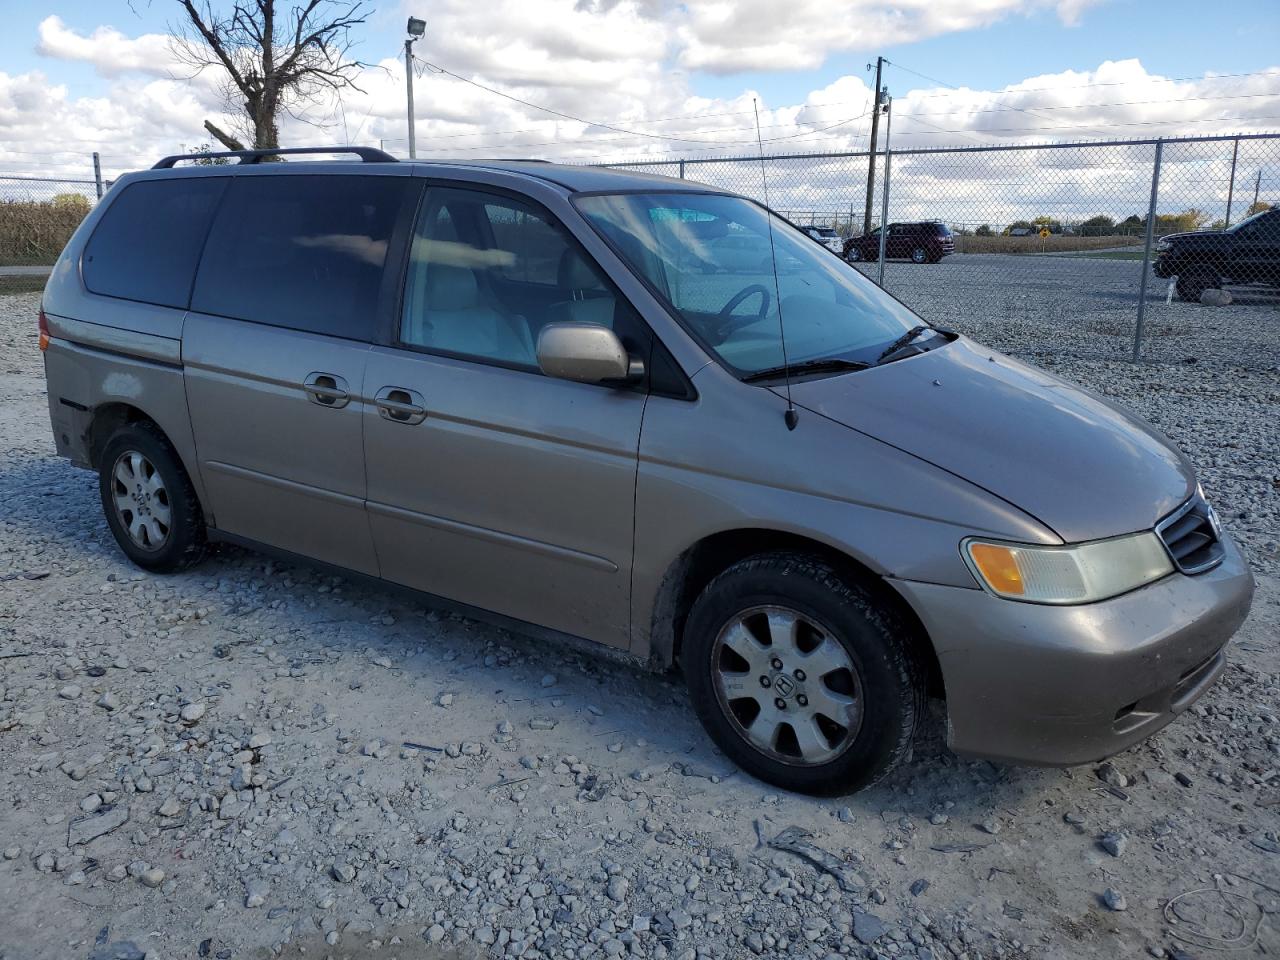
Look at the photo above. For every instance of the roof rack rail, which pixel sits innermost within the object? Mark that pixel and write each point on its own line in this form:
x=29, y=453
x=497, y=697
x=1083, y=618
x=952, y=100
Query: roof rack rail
x=366, y=154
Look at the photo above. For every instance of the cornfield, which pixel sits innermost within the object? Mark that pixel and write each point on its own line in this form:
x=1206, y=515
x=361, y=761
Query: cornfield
x=35, y=231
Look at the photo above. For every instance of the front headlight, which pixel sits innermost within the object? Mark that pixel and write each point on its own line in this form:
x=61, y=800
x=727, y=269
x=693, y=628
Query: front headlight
x=1163, y=246
x=1078, y=573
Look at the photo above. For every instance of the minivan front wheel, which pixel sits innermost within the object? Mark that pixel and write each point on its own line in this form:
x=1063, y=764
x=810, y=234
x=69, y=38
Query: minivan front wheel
x=800, y=676
x=148, y=500
x=919, y=255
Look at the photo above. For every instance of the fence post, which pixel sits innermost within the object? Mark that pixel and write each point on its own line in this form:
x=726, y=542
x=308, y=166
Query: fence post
x=1146, y=251
x=97, y=173
x=681, y=169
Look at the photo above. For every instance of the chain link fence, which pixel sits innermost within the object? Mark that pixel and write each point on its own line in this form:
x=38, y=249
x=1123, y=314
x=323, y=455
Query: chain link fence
x=1050, y=248
x=37, y=217
x=1043, y=249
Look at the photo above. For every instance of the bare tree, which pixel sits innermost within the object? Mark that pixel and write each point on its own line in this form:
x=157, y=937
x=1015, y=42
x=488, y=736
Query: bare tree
x=274, y=59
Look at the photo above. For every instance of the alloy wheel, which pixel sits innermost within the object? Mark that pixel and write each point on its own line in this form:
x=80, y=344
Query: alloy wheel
x=788, y=686
x=141, y=500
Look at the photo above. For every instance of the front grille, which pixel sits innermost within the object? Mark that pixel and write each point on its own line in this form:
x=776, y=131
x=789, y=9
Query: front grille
x=1191, y=536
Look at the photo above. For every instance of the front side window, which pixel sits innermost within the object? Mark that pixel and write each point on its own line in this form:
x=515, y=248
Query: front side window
x=487, y=273
x=301, y=251
x=711, y=258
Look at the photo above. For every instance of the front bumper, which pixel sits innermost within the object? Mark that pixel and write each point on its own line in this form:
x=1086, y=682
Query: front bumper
x=1057, y=686
x=1163, y=268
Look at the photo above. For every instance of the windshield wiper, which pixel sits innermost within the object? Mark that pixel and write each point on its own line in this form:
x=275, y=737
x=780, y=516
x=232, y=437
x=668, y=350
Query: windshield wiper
x=823, y=365
x=902, y=341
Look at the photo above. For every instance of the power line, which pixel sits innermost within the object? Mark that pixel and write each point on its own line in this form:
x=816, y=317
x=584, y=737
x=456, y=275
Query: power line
x=607, y=126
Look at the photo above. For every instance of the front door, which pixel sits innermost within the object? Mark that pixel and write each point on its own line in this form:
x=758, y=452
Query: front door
x=275, y=352
x=489, y=483
x=1255, y=250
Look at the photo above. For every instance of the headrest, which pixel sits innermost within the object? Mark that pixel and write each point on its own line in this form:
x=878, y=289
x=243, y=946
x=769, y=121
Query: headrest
x=450, y=288
x=574, y=273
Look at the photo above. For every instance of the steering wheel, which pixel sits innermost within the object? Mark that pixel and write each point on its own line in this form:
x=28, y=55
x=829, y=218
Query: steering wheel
x=726, y=323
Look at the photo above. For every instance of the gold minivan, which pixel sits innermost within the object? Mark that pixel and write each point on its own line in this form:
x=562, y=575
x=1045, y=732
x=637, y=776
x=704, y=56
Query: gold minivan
x=558, y=397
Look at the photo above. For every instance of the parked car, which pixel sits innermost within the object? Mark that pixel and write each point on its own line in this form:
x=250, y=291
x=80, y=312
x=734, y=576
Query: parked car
x=926, y=241
x=504, y=385
x=1247, y=252
x=827, y=237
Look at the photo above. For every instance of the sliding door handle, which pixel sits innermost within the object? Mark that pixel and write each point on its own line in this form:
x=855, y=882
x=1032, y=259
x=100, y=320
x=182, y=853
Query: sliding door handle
x=400, y=405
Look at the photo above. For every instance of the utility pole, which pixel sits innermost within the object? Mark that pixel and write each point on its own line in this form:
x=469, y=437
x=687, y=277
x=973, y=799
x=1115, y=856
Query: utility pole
x=871, y=159
x=416, y=28
x=1257, y=182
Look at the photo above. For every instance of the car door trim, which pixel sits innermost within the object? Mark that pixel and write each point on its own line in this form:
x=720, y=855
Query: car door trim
x=305, y=489
x=494, y=536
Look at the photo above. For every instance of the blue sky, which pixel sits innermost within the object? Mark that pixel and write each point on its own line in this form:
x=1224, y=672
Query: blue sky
x=1175, y=38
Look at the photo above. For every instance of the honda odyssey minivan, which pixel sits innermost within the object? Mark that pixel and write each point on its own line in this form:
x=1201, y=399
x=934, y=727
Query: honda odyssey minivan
x=517, y=388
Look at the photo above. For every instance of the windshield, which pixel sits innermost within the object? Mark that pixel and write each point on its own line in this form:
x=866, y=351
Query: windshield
x=709, y=256
x=1248, y=220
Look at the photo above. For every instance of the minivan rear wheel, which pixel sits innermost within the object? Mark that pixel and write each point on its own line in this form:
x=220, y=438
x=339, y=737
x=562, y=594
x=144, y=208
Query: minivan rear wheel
x=148, y=500
x=801, y=676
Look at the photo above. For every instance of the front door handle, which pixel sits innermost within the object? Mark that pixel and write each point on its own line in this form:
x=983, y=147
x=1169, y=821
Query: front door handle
x=327, y=389
x=400, y=405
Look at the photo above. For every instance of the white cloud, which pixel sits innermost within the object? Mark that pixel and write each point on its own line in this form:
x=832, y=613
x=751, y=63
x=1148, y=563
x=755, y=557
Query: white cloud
x=107, y=49
x=726, y=37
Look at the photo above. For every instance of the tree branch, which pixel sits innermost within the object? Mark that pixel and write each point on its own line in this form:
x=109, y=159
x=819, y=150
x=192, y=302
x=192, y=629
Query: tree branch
x=226, y=139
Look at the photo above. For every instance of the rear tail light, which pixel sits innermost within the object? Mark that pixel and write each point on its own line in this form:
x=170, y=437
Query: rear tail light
x=43, y=326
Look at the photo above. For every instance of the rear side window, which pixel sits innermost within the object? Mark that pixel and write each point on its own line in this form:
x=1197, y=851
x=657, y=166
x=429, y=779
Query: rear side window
x=301, y=251
x=148, y=241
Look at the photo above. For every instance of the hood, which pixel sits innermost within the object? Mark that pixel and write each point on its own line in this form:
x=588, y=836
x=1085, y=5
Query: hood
x=1212, y=236
x=1081, y=465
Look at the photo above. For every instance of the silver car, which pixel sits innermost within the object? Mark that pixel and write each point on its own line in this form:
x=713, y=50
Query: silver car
x=531, y=390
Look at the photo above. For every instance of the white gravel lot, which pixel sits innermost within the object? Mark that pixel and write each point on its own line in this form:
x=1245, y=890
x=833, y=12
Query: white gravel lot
x=278, y=760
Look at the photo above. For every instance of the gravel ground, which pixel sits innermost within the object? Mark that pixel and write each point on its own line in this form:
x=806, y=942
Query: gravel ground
x=253, y=756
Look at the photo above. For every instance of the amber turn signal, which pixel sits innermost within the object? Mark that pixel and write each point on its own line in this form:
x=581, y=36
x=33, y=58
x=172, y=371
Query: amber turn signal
x=999, y=567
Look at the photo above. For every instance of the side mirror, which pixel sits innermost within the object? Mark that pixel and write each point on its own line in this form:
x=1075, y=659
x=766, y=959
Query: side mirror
x=585, y=353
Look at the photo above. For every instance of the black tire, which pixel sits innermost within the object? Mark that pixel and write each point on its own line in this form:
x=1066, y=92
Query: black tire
x=852, y=254
x=919, y=255
x=1190, y=286
x=890, y=676
x=184, y=541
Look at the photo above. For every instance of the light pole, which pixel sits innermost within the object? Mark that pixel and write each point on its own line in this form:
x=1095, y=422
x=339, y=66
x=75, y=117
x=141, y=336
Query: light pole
x=416, y=29
x=884, y=103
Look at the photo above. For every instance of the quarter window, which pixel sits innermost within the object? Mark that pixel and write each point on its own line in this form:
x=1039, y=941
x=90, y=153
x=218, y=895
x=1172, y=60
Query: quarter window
x=147, y=243
x=301, y=251
x=487, y=273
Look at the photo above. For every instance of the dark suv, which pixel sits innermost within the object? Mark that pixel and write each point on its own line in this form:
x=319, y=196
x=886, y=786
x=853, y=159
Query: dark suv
x=926, y=241
x=1248, y=252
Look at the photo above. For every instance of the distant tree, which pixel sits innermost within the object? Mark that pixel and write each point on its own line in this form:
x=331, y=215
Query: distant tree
x=1258, y=207
x=207, y=161
x=1098, y=226
x=1132, y=224
x=984, y=231
x=1185, y=222
x=1218, y=224
x=272, y=58
x=71, y=201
